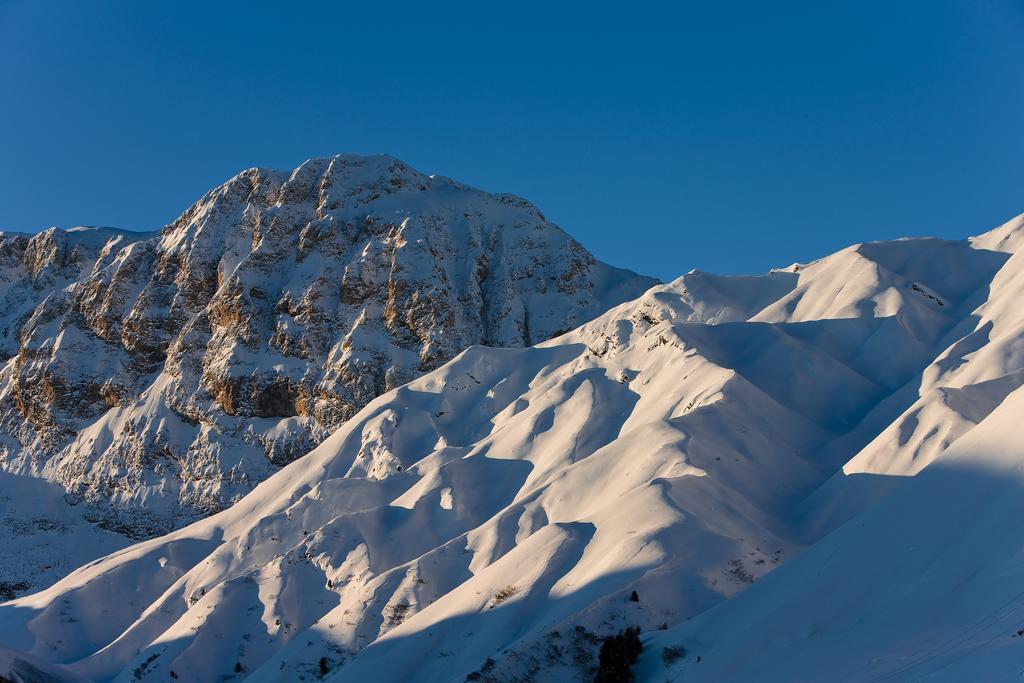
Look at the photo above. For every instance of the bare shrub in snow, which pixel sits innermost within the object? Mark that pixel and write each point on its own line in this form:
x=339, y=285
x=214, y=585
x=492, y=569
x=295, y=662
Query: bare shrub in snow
x=617, y=656
x=670, y=654
x=504, y=594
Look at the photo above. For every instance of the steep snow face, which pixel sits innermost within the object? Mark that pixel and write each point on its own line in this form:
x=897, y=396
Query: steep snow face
x=923, y=586
x=161, y=377
x=982, y=362
x=495, y=515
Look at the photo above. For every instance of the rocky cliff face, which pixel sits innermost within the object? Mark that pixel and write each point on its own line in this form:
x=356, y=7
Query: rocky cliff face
x=159, y=377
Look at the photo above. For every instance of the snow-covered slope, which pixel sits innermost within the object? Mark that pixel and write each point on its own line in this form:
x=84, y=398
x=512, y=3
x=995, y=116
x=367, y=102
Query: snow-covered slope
x=160, y=377
x=924, y=586
x=19, y=668
x=44, y=534
x=494, y=517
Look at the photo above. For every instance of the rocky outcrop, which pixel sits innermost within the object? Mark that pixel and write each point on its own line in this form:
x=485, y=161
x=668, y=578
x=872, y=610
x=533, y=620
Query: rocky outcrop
x=161, y=376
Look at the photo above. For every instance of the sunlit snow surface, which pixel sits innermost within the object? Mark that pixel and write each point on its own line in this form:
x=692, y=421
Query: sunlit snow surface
x=682, y=445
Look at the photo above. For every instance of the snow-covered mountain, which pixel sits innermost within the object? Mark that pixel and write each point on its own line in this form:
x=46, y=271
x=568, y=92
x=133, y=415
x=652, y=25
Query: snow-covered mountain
x=495, y=518
x=160, y=377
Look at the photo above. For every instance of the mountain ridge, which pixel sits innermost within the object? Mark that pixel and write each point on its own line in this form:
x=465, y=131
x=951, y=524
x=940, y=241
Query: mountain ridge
x=494, y=517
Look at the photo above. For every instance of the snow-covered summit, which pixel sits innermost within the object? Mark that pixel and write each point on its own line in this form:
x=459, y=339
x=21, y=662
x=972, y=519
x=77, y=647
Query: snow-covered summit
x=161, y=376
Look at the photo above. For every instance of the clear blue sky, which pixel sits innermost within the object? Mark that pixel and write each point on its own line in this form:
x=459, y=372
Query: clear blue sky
x=731, y=137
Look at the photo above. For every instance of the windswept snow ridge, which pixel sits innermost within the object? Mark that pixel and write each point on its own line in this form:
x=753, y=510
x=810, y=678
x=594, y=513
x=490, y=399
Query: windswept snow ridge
x=496, y=517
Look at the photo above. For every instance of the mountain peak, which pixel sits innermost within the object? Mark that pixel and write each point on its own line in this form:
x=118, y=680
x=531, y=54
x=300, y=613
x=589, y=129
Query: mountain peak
x=259, y=321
